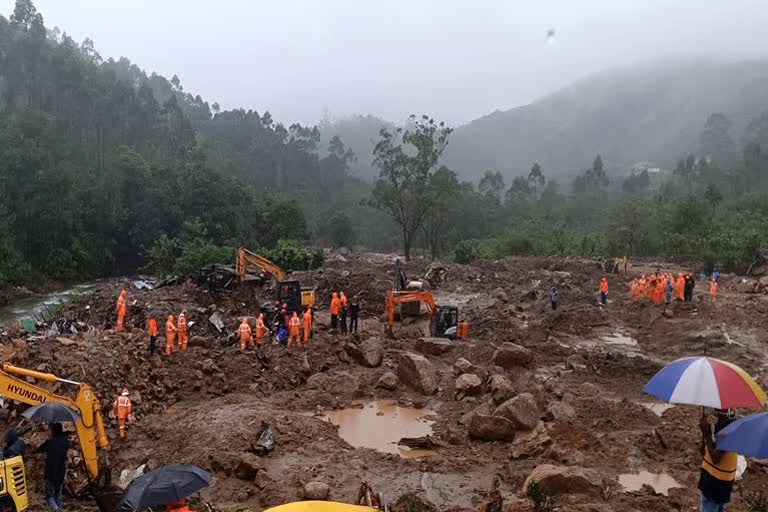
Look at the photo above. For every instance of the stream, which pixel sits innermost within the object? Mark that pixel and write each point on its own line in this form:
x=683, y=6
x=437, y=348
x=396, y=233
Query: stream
x=35, y=305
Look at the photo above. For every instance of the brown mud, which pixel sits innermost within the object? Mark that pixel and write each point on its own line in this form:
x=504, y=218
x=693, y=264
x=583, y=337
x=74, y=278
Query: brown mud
x=589, y=364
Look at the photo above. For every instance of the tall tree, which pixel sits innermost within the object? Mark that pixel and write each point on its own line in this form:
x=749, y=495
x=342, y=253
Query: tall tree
x=406, y=158
x=492, y=186
x=536, y=179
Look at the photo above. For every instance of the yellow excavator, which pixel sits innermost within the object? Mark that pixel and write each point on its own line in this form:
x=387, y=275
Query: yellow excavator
x=90, y=428
x=288, y=292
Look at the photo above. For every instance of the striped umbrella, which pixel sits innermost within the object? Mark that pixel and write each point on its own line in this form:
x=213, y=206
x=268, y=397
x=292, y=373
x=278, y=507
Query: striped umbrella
x=707, y=382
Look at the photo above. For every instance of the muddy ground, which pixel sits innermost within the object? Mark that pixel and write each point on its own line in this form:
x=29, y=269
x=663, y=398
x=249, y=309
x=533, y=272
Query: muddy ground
x=589, y=364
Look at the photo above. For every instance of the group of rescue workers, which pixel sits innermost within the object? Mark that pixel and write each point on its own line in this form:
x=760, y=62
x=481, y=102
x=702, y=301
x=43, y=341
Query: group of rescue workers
x=662, y=288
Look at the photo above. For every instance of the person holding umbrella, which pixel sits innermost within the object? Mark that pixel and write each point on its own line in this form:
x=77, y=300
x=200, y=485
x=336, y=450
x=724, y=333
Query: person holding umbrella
x=166, y=485
x=718, y=468
x=178, y=506
x=55, y=449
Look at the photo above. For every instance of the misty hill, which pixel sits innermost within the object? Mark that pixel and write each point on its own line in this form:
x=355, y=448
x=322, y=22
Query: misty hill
x=652, y=113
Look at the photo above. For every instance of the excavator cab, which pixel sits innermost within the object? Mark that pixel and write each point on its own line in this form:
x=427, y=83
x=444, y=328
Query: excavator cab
x=289, y=292
x=13, y=485
x=444, y=322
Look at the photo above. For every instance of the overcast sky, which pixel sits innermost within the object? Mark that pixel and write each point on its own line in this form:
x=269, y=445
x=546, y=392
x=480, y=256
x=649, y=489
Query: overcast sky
x=454, y=59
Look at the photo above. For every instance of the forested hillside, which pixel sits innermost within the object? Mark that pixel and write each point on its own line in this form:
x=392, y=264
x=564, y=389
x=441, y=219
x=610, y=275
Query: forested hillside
x=101, y=164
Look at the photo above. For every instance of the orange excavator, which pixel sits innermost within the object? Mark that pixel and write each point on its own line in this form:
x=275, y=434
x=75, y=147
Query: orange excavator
x=444, y=320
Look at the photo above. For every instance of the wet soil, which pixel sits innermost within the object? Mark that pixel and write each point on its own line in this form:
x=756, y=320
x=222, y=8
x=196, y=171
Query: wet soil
x=206, y=405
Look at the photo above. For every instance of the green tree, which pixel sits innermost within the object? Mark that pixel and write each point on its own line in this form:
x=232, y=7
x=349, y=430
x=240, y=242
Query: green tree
x=492, y=186
x=406, y=158
x=536, y=179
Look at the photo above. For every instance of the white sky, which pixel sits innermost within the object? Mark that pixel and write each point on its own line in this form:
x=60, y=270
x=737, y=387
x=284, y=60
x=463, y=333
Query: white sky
x=454, y=59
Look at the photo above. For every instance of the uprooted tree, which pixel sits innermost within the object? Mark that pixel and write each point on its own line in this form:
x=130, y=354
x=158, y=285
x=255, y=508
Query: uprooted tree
x=407, y=159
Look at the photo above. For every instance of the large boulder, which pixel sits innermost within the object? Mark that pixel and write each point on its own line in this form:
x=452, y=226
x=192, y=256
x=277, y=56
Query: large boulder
x=319, y=381
x=500, y=294
x=491, y=428
x=369, y=353
x=417, y=372
x=559, y=411
x=388, y=380
x=501, y=389
x=463, y=366
x=247, y=467
x=521, y=410
x=565, y=480
x=529, y=444
x=483, y=409
x=468, y=384
x=511, y=355
x=316, y=491
x=434, y=346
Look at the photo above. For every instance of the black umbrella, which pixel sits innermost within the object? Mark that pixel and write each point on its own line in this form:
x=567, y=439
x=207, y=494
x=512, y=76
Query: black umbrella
x=156, y=314
x=164, y=485
x=53, y=412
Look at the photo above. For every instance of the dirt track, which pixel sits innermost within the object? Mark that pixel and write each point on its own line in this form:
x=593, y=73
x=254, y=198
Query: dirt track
x=205, y=405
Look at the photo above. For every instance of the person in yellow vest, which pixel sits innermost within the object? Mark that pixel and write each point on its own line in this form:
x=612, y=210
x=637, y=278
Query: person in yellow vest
x=182, y=330
x=718, y=469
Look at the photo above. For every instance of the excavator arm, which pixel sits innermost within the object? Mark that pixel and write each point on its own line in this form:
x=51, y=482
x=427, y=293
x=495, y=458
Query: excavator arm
x=244, y=257
x=395, y=297
x=90, y=426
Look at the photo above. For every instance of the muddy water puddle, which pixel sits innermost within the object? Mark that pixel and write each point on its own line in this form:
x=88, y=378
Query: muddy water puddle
x=660, y=482
x=381, y=424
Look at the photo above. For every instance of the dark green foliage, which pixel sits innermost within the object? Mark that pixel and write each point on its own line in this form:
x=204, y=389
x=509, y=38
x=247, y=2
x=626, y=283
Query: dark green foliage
x=466, y=252
x=290, y=256
x=540, y=499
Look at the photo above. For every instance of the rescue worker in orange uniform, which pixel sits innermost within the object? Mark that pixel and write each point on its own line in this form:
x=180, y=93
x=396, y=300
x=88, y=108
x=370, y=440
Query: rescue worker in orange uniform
x=120, y=308
x=713, y=290
x=603, y=291
x=170, y=336
x=641, y=287
x=660, y=285
x=261, y=329
x=294, y=328
x=182, y=330
x=680, y=286
x=152, y=332
x=178, y=506
x=343, y=312
x=307, y=320
x=246, y=336
x=122, y=410
x=335, y=309
x=633, y=290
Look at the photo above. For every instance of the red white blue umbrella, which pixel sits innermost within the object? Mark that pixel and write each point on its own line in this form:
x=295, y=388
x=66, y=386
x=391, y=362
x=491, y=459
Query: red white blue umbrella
x=747, y=435
x=707, y=382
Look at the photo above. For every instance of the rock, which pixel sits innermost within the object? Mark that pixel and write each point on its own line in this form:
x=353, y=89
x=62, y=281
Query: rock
x=209, y=367
x=434, y=346
x=135, y=397
x=565, y=480
x=319, y=381
x=559, y=411
x=66, y=341
x=510, y=355
x=747, y=286
x=262, y=479
x=388, y=380
x=530, y=444
x=576, y=362
x=345, y=273
x=247, y=467
x=521, y=410
x=369, y=353
x=500, y=294
x=468, y=384
x=764, y=282
x=199, y=375
x=501, y=389
x=316, y=491
x=491, y=428
x=483, y=409
x=589, y=390
x=463, y=366
x=417, y=372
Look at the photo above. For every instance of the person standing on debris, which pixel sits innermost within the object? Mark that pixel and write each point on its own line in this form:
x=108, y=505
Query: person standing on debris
x=307, y=320
x=14, y=445
x=718, y=468
x=335, y=309
x=260, y=329
x=152, y=332
x=715, y=274
x=343, y=312
x=182, y=328
x=354, y=314
x=170, y=336
x=687, y=288
x=282, y=333
x=668, y=291
x=294, y=330
x=246, y=336
x=603, y=291
x=55, y=448
x=554, y=298
x=713, y=289
x=123, y=411
x=680, y=288
x=120, y=308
